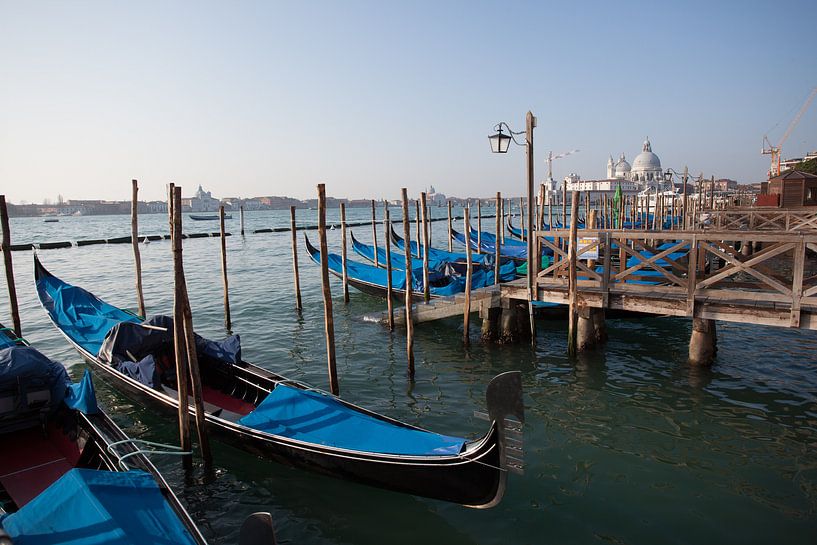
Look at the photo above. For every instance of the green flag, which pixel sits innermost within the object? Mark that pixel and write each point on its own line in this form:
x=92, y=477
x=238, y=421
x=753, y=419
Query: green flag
x=617, y=205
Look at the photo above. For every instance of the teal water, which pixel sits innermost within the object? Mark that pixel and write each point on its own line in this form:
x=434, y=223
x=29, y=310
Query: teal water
x=626, y=445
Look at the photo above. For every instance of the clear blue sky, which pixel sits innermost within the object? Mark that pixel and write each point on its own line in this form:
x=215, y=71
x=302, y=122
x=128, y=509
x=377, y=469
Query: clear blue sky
x=271, y=98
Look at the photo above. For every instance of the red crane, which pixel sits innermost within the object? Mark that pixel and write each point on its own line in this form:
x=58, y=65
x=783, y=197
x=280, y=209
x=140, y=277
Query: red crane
x=774, y=151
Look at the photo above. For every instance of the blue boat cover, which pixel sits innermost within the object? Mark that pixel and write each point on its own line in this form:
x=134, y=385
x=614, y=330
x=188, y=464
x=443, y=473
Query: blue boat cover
x=82, y=396
x=6, y=341
x=444, y=255
x=514, y=249
x=90, y=507
x=80, y=314
x=315, y=417
x=27, y=369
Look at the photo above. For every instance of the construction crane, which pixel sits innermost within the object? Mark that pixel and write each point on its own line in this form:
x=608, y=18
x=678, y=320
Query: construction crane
x=551, y=157
x=774, y=151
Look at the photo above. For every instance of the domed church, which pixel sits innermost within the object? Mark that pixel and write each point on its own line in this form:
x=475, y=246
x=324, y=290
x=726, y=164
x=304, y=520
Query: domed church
x=645, y=170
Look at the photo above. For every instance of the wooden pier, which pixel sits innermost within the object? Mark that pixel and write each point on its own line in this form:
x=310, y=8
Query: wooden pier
x=445, y=307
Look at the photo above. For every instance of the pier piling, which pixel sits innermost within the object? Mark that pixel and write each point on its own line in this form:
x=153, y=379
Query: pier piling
x=7, y=262
x=703, y=342
x=450, y=242
x=343, y=250
x=466, y=313
x=294, y=233
x=329, y=320
x=241, y=216
x=479, y=226
x=496, y=241
x=228, y=323
x=424, y=212
x=374, y=233
x=409, y=322
x=134, y=237
x=387, y=235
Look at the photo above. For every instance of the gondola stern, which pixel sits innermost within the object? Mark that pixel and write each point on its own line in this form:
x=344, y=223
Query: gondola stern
x=504, y=400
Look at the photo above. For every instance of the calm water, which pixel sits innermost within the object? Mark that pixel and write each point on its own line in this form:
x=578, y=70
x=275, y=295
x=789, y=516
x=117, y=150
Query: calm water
x=626, y=445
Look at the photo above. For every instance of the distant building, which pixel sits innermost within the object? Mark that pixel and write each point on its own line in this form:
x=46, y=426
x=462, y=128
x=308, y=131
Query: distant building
x=789, y=164
x=645, y=171
x=575, y=183
x=794, y=189
x=202, y=201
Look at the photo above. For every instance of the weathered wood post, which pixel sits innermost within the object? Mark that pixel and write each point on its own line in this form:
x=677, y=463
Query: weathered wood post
x=345, y=276
x=7, y=261
x=469, y=271
x=179, y=345
x=329, y=320
x=228, y=325
x=387, y=235
x=564, y=205
x=572, y=293
x=241, y=216
x=450, y=242
x=374, y=234
x=419, y=228
x=134, y=237
x=293, y=231
x=424, y=212
x=497, y=244
x=522, y=221
x=703, y=343
x=479, y=226
x=409, y=322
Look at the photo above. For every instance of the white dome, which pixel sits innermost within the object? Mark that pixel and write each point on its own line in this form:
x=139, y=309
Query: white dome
x=646, y=160
x=622, y=166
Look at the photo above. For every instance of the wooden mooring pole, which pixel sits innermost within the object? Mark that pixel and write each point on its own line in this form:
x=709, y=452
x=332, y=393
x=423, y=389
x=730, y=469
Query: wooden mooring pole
x=7, y=262
x=497, y=243
x=469, y=271
x=387, y=235
x=479, y=226
x=343, y=252
x=572, y=288
x=419, y=229
x=329, y=321
x=228, y=323
x=409, y=322
x=294, y=233
x=450, y=242
x=241, y=216
x=424, y=212
x=134, y=237
x=374, y=234
x=180, y=350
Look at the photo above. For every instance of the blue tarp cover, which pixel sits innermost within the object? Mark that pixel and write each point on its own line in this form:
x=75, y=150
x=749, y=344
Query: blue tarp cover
x=80, y=314
x=82, y=396
x=318, y=418
x=91, y=507
x=5, y=340
x=26, y=368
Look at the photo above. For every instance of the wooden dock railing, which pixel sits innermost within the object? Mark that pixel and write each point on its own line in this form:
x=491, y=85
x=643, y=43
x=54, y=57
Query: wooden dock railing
x=759, y=219
x=700, y=274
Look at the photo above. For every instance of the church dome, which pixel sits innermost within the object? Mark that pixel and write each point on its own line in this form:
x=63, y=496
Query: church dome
x=646, y=160
x=623, y=168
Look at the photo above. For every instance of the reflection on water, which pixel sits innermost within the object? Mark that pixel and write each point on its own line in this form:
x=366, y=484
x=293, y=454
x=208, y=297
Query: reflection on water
x=627, y=444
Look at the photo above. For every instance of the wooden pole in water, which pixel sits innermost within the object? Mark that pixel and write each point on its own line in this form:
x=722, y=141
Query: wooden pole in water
x=228, y=324
x=293, y=230
x=345, y=276
x=241, y=215
x=450, y=242
x=479, y=226
x=496, y=242
x=572, y=288
x=419, y=229
x=409, y=322
x=7, y=261
x=329, y=320
x=469, y=271
x=522, y=221
x=189, y=338
x=564, y=205
x=374, y=234
x=424, y=212
x=387, y=235
x=179, y=346
x=137, y=258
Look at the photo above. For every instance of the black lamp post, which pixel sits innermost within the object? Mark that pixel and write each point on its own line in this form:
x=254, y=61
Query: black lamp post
x=500, y=142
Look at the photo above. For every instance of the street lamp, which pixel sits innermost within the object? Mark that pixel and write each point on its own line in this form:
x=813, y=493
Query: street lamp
x=684, y=177
x=500, y=142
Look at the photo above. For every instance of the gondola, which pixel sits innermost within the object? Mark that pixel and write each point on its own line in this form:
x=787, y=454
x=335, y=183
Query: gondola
x=442, y=255
x=372, y=280
x=510, y=249
x=284, y=420
x=209, y=217
x=68, y=474
x=483, y=272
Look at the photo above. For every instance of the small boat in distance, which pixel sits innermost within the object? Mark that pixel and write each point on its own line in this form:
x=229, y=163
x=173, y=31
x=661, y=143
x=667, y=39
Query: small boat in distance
x=51, y=220
x=209, y=217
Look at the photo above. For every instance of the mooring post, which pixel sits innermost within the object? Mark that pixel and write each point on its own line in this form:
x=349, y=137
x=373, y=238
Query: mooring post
x=179, y=344
x=345, y=276
x=450, y=242
x=409, y=322
x=703, y=343
x=469, y=271
x=7, y=261
x=134, y=237
x=500, y=236
x=374, y=234
x=540, y=218
x=496, y=242
x=387, y=235
x=419, y=229
x=479, y=226
x=572, y=288
x=329, y=320
x=424, y=212
x=228, y=324
x=293, y=231
x=564, y=205
x=522, y=221
x=241, y=216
